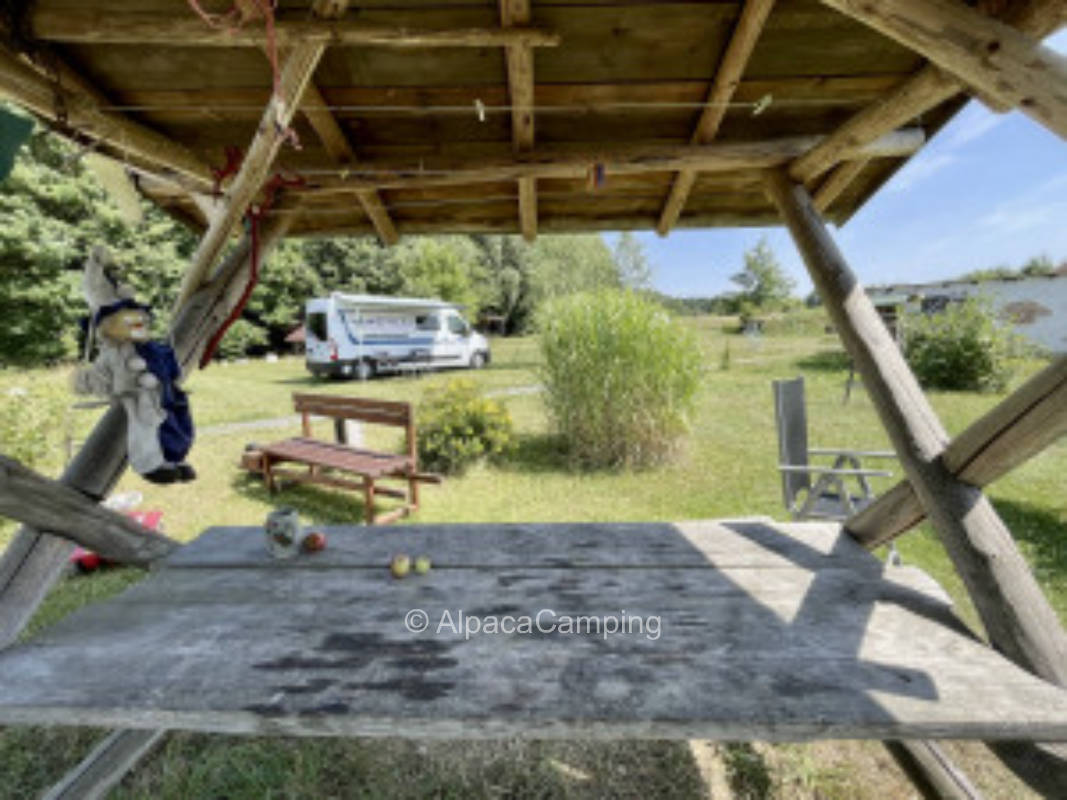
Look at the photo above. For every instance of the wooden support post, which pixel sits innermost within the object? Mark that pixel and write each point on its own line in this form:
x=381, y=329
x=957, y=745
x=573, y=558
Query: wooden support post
x=743, y=41
x=520, y=66
x=1017, y=617
x=927, y=89
x=48, y=505
x=1018, y=428
x=299, y=66
x=101, y=770
x=982, y=52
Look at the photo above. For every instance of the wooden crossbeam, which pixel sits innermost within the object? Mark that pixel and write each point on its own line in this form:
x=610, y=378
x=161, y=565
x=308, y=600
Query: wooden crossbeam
x=48, y=505
x=296, y=74
x=1017, y=617
x=81, y=106
x=93, y=26
x=927, y=89
x=556, y=161
x=520, y=68
x=727, y=79
x=1018, y=428
x=982, y=52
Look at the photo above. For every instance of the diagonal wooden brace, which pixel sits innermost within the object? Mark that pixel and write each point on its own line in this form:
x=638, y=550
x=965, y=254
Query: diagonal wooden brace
x=1016, y=430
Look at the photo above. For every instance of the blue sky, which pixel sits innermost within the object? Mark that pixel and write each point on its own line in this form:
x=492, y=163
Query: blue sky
x=988, y=190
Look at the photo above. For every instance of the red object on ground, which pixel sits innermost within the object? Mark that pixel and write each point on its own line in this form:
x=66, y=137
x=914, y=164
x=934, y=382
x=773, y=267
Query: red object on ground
x=314, y=541
x=87, y=561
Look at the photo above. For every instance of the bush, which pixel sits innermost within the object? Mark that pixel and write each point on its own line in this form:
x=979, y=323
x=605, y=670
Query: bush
x=242, y=338
x=962, y=348
x=620, y=377
x=457, y=426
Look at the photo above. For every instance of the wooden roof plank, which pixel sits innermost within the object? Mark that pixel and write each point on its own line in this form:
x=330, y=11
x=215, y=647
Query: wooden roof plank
x=743, y=41
x=520, y=67
x=96, y=26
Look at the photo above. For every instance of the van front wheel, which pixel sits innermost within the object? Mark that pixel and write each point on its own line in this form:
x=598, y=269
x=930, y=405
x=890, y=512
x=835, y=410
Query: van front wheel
x=365, y=370
x=477, y=360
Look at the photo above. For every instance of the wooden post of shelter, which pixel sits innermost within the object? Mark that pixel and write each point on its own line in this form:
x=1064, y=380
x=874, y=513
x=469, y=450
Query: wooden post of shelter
x=1018, y=618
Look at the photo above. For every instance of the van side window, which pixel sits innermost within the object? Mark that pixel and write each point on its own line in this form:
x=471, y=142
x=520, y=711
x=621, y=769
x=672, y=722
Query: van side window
x=317, y=326
x=428, y=322
x=457, y=325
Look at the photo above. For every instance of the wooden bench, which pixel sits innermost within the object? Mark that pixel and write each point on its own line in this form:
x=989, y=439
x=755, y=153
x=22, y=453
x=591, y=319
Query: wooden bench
x=325, y=459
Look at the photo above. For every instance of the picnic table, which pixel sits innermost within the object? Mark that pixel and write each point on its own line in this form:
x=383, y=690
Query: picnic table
x=763, y=630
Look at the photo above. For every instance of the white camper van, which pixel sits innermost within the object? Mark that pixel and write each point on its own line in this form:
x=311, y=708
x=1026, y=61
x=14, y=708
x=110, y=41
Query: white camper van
x=359, y=335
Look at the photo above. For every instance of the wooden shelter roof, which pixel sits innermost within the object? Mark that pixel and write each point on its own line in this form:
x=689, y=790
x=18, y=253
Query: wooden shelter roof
x=443, y=123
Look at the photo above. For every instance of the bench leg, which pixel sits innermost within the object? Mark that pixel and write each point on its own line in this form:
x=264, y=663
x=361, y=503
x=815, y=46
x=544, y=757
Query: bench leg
x=368, y=500
x=413, y=494
x=268, y=476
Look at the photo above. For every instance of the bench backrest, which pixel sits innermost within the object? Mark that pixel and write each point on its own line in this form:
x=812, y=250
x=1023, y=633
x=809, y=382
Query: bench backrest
x=364, y=409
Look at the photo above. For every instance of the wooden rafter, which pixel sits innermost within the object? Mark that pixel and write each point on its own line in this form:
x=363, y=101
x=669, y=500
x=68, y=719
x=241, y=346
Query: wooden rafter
x=1018, y=428
x=299, y=66
x=837, y=181
x=68, y=97
x=1017, y=616
x=520, y=66
x=322, y=120
x=558, y=161
x=991, y=56
x=927, y=89
x=91, y=26
x=738, y=51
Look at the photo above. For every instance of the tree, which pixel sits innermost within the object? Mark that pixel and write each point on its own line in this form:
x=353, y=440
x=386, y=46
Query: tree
x=1038, y=267
x=635, y=271
x=564, y=265
x=763, y=282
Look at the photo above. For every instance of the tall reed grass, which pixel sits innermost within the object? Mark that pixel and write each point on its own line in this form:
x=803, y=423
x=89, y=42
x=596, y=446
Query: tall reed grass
x=620, y=377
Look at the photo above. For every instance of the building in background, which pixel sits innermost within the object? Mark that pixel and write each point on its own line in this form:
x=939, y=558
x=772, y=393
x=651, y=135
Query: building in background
x=1036, y=306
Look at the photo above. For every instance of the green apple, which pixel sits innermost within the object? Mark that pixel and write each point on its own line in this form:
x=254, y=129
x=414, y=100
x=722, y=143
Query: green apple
x=422, y=565
x=400, y=566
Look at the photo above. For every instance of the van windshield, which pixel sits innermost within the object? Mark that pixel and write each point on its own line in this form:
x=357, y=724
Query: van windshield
x=316, y=326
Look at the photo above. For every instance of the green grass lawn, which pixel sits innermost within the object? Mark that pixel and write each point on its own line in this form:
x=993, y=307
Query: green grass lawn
x=726, y=468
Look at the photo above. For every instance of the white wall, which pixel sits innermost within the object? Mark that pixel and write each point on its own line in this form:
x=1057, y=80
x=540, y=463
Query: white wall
x=1036, y=306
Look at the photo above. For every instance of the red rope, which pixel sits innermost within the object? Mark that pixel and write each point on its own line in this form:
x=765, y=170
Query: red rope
x=234, y=157
x=270, y=193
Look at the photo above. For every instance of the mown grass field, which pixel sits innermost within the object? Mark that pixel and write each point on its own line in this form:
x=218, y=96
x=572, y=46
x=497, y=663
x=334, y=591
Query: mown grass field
x=726, y=468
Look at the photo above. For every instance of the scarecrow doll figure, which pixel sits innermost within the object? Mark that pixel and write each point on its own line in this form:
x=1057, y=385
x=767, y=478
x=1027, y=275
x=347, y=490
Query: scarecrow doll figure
x=140, y=374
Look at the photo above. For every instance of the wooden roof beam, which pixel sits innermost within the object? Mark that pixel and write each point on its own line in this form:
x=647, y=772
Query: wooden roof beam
x=927, y=89
x=520, y=66
x=93, y=26
x=1017, y=429
x=559, y=161
x=738, y=51
x=299, y=66
x=80, y=104
x=991, y=56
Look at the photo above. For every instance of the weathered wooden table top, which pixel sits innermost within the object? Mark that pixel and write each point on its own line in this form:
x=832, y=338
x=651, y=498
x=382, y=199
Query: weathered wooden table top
x=748, y=629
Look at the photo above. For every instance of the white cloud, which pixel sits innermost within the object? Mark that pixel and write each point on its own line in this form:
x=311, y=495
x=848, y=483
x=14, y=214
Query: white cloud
x=1043, y=205
x=973, y=122
x=919, y=169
